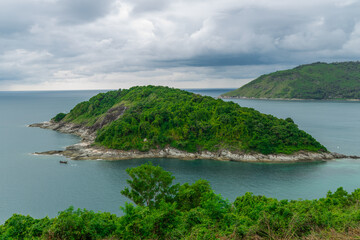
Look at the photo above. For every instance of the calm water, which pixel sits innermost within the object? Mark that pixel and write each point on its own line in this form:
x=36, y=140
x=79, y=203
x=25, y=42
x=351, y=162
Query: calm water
x=40, y=186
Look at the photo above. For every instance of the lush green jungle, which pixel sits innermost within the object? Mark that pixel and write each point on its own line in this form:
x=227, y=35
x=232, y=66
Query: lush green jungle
x=319, y=80
x=152, y=117
x=165, y=210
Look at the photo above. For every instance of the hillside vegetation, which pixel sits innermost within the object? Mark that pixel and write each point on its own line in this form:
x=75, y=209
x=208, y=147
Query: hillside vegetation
x=152, y=117
x=312, y=81
x=194, y=211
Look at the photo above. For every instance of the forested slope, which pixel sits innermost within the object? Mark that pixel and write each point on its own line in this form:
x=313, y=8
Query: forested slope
x=311, y=81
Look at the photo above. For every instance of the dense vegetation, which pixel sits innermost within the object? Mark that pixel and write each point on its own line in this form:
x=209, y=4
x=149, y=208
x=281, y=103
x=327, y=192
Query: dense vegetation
x=59, y=117
x=194, y=211
x=152, y=117
x=312, y=81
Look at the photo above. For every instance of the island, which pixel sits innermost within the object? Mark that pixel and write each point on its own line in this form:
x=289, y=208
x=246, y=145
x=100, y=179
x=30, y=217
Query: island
x=155, y=121
x=321, y=81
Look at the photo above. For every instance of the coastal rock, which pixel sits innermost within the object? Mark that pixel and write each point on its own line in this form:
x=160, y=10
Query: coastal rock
x=84, y=132
x=87, y=150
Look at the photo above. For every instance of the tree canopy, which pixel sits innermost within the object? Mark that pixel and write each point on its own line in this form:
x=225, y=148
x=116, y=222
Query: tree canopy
x=149, y=185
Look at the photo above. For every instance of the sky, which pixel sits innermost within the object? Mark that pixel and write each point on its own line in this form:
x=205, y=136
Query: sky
x=111, y=44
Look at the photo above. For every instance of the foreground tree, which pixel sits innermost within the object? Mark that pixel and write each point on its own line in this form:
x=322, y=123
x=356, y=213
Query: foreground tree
x=149, y=185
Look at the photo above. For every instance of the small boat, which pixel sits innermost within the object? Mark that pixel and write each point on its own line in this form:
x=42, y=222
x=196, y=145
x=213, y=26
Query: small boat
x=64, y=162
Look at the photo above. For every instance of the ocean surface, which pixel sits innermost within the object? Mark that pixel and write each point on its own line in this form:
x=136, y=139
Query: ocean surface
x=40, y=186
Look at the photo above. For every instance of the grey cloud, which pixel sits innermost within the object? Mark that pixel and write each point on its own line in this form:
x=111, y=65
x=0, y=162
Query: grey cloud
x=213, y=60
x=16, y=16
x=79, y=11
x=110, y=39
x=145, y=6
x=20, y=15
x=12, y=76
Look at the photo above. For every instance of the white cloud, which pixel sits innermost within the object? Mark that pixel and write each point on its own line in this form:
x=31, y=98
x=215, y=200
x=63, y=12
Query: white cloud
x=22, y=56
x=353, y=43
x=314, y=36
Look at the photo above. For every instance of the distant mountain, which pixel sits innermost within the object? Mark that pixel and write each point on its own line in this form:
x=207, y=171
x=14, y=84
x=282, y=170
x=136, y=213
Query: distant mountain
x=312, y=81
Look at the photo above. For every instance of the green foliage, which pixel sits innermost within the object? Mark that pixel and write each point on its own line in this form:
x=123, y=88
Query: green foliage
x=89, y=111
x=149, y=185
x=311, y=81
x=146, y=223
x=59, y=117
x=81, y=224
x=196, y=212
x=17, y=227
x=190, y=196
x=150, y=117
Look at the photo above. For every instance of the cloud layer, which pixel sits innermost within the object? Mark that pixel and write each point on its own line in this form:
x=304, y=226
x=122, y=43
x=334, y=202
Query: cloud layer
x=87, y=44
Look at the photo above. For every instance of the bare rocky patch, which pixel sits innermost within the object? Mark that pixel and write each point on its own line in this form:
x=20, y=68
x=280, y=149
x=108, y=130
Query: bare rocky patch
x=111, y=115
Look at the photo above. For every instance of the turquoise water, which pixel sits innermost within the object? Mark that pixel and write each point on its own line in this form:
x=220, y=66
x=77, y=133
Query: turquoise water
x=40, y=186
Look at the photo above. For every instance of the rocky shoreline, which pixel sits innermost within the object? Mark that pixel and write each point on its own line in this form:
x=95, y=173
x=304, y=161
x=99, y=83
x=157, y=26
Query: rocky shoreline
x=86, y=150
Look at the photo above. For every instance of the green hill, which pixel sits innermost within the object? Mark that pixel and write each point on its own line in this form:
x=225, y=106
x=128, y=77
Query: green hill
x=312, y=81
x=150, y=117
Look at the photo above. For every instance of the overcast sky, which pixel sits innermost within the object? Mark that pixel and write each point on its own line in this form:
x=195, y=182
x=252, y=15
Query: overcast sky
x=110, y=44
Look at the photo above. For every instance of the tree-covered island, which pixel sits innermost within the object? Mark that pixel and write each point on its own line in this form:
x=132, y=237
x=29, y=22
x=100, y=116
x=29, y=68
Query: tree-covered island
x=168, y=122
x=319, y=80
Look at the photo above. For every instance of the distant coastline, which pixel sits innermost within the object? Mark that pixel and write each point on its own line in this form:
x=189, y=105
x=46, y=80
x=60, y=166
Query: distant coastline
x=290, y=99
x=323, y=81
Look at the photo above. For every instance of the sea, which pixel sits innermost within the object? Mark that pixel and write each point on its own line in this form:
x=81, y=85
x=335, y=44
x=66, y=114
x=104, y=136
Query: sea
x=40, y=186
